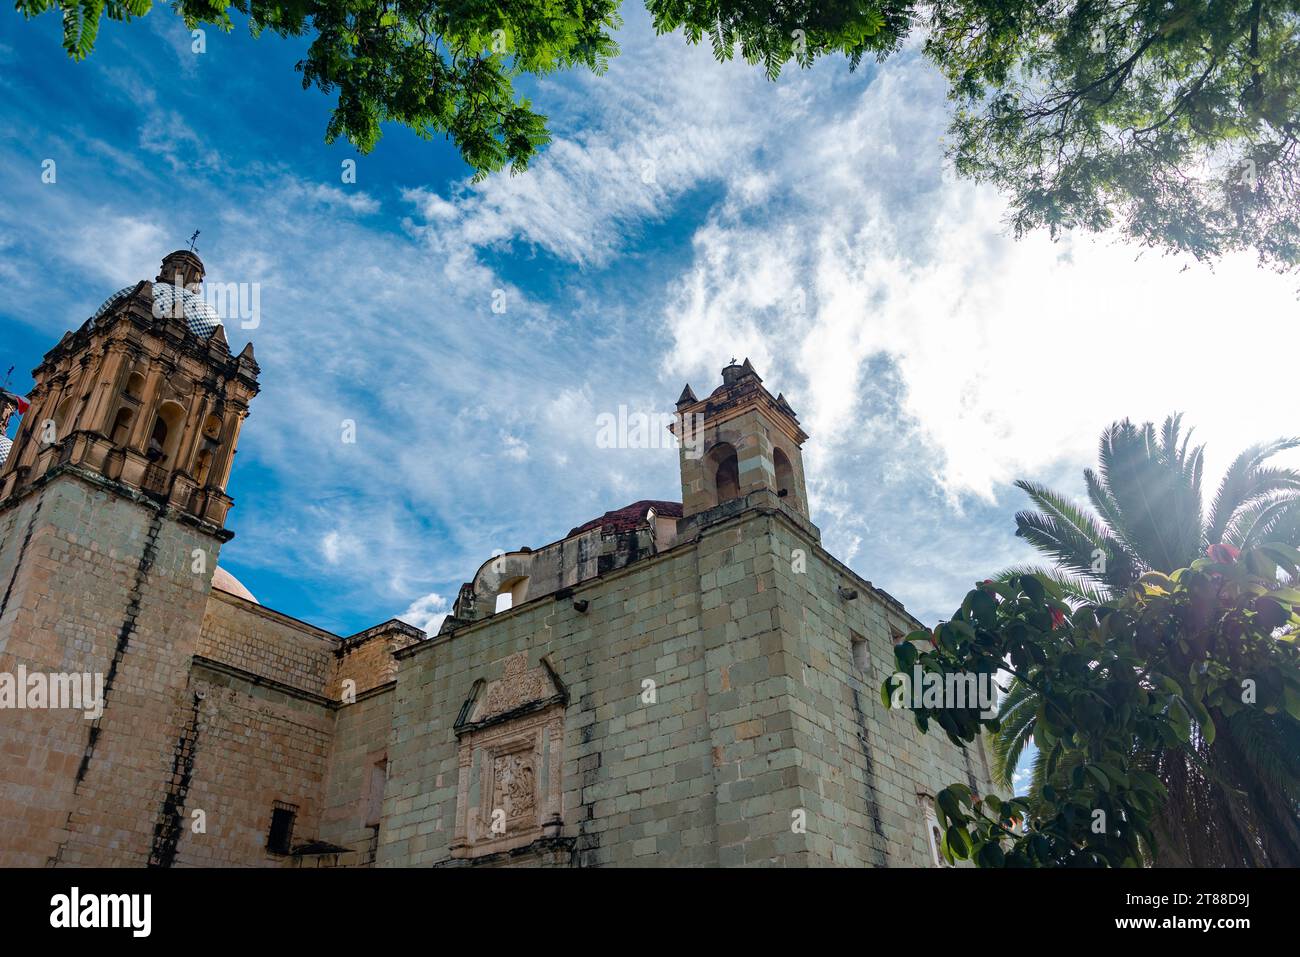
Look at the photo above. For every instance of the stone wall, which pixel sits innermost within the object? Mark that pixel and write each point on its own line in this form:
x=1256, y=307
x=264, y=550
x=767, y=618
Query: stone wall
x=95, y=582
x=715, y=704
x=354, y=788
x=633, y=776
x=869, y=771
x=761, y=741
x=264, y=642
x=252, y=745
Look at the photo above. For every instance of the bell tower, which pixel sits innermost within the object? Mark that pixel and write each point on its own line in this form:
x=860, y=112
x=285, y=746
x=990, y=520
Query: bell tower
x=145, y=395
x=112, y=514
x=738, y=440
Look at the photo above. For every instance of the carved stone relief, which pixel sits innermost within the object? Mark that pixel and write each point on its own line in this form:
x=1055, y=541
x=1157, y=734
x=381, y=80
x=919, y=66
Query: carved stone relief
x=511, y=765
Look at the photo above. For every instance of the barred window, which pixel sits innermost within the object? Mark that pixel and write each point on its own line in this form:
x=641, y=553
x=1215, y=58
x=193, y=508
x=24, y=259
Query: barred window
x=280, y=838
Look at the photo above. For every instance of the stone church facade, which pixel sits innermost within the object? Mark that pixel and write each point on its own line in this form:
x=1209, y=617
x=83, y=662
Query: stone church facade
x=672, y=684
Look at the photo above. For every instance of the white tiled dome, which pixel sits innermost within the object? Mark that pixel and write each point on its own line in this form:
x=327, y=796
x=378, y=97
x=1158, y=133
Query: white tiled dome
x=201, y=318
x=6, y=444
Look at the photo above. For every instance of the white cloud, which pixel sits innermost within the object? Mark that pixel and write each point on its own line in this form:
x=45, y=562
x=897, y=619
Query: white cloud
x=513, y=447
x=426, y=613
x=353, y=200
x=1012, y=355
x=687, y=211
x=118, y=249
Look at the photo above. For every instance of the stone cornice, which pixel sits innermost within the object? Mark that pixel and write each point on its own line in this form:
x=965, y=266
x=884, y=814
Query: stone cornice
x=133, y=495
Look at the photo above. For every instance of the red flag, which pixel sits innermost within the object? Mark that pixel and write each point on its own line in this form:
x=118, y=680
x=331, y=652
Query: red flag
x=23, y=404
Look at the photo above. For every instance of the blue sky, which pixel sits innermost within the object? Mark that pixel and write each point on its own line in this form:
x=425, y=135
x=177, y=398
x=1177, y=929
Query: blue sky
x=686, y=212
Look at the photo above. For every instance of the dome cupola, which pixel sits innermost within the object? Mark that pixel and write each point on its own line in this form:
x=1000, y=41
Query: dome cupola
x=178, y=292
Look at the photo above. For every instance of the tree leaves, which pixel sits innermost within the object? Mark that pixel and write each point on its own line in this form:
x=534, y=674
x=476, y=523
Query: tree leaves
x=437, y=68
x=1179, y=126
x=775, y=34
x=1175, y=125
x=1102, y=697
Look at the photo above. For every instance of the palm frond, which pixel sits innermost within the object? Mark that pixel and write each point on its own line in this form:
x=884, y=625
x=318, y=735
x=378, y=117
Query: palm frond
x=1270, y=743
x=1017, y=715
x=1064, y=544
x=1155, y=494
x=1273, y=518
x=1238, y=482
x=1063, y=510
x=1078, y=590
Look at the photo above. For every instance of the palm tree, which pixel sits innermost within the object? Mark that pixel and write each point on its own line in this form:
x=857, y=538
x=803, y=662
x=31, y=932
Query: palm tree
x=1235, y=804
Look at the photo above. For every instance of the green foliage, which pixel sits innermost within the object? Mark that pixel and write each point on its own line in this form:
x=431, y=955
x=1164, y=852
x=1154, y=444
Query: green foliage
x=81, y=18
x=448, y=66
x=1147, y=493
x=773, y=34
x=1157, y=668
x=436, y=67
x=1173, y=121
x=1149, y=515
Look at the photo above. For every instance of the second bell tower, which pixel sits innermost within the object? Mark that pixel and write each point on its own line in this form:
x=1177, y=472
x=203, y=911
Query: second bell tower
x=742, y=439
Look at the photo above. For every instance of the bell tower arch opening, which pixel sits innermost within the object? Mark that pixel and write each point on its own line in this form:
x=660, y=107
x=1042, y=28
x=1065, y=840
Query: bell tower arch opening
x=726, y=473
x=166, y=434
x=511, y=592
x=121, y=430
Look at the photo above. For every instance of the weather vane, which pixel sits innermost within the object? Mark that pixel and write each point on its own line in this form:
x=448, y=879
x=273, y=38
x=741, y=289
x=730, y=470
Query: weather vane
x=193, y=239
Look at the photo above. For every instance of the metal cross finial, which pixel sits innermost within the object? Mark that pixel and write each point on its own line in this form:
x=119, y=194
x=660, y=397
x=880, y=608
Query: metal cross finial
x=193, y=239
x=733, y=360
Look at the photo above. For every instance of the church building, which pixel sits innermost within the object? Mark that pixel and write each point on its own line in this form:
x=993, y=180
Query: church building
x=690, y=683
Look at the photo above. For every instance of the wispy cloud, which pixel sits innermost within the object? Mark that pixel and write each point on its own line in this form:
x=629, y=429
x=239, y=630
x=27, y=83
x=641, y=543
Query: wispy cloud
x=687, y=211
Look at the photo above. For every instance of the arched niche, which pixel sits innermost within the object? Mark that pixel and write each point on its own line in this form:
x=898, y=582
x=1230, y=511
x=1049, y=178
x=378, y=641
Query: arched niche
x=63, y=418
x=121, y=430
x=511, y=593
x=165, y=435
x=202, y=467
x=787, y=481
x=499, y=577
x=722, y=469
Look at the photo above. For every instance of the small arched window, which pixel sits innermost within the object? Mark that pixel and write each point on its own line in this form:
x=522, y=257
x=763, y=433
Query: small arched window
x=726, y=473
x=135, y=385
x=158, y=439
x=785, y=481
x=203, y=466
x=122, y=426
x=63, y=418
x=511, y=593
x=166, y=432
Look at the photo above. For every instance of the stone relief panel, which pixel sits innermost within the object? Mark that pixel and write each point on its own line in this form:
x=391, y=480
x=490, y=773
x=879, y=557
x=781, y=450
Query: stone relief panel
x=517, y=687
x=510, y=762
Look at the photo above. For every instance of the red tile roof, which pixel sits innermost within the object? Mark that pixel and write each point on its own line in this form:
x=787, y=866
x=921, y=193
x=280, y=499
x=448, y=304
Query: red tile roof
x=629, y=516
